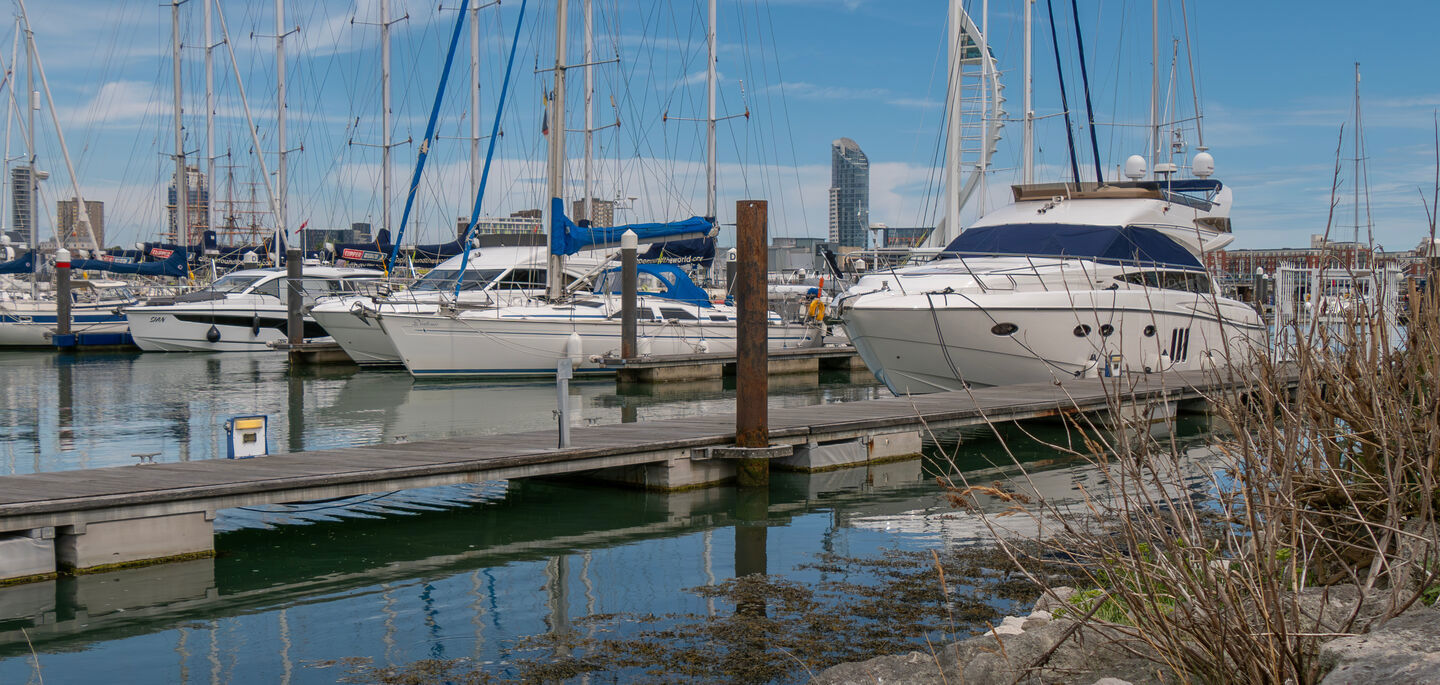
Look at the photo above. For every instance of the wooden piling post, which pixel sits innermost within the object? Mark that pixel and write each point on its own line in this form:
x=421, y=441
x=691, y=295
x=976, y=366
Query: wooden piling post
x=752, y=380
x=62, y=292
x=295, y=299
x=629, y=294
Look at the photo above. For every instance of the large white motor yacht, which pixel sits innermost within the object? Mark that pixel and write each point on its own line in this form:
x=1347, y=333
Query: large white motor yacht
x=241, y=311
x=492, y=275
x=1068, y=281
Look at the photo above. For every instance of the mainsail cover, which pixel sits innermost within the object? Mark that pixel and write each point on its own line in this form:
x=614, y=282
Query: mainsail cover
x=22, y=265
x=566, y=238
x=1113, y=244
x=699, y=251
x=174, y=266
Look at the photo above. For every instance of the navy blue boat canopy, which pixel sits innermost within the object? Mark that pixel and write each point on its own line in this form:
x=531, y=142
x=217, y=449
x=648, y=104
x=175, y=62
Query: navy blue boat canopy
x=676, y=282
x=23, y=264
x=1122, y=244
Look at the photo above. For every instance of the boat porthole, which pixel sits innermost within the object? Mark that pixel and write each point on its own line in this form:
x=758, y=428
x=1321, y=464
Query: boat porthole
x=1004, y=329
x=1106, y=330
x=1150, y=331
x=1082, y=330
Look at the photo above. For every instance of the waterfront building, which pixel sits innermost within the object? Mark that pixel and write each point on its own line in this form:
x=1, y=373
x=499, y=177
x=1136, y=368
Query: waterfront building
x=849, y=193
x=20, y=205
x=197, y=207
x=73, y=232
x=604, y=212
x=496, y=225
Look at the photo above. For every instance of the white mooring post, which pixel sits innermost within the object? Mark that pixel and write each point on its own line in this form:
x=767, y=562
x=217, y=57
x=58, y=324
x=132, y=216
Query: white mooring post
x=563, y=371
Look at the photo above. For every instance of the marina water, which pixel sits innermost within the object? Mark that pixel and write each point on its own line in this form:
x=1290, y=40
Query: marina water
x=472, y=572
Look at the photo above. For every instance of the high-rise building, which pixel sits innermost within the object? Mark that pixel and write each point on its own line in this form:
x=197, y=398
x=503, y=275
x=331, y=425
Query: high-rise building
x=197, y=206
x=849, y=194
x=604, y=211
x=72, y=232
x=20, y=205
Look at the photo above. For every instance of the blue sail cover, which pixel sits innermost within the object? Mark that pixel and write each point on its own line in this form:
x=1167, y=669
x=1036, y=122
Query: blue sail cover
x=173, y=266
x=22, y=265
x=1114, y=244
x=700, y=251
x=678, y=285
x=566, y=238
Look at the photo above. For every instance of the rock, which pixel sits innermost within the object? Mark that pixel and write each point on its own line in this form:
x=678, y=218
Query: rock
x=1112, y=681
x=1001, y=658
x=1056, y=598
x=1037, y=620
x=1010, y=625
x=1402, y=650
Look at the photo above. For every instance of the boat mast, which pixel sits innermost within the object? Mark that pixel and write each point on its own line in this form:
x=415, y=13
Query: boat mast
x=986, y=75
x=10, y=119
x=589, y=113
x=1027, y=134
x=209, y=119
x=475, y=100
x=182, y=188
x=1356, y=133
x=82, y=212
x=280, y=206
x=1154, y=88
x=31, y=103
x=555, y=169
x=710, y=181
x=952, y=129
x=385, y=114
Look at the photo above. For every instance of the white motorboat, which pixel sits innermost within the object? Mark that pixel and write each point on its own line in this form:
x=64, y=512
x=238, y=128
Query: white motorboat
x=530, y=339
x=492, y=275
x=29, y=321
x=242, y=311
x=1069, y=280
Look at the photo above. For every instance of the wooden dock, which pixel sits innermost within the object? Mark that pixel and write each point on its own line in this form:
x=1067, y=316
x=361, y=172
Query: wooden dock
x=97, y=519
x=689, y=367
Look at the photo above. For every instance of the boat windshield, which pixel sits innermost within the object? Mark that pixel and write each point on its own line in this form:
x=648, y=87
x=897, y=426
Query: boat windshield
x=444, y=279
x=234, y=283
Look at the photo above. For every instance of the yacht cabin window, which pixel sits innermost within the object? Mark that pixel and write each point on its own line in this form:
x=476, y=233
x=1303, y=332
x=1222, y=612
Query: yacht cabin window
x=677, y=313
x=1188, y=281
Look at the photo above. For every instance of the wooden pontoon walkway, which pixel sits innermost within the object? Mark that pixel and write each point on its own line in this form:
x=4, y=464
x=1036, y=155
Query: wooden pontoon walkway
x=150, y=511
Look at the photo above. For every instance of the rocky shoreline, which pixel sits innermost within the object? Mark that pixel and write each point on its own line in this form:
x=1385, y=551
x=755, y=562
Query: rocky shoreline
x=1043, y=648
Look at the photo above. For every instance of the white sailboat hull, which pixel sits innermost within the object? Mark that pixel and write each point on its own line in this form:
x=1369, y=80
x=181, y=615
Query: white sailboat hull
x=477, y=345
x=354, y=325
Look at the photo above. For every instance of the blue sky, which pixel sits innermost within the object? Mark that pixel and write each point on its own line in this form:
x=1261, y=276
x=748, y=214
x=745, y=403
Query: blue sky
x=1275, y=82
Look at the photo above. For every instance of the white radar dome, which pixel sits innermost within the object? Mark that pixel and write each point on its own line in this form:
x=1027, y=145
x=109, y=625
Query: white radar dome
x=1203, y=166
x=1135, y=167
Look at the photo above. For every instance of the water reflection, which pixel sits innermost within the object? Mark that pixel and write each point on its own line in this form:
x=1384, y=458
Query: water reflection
x=68, y=412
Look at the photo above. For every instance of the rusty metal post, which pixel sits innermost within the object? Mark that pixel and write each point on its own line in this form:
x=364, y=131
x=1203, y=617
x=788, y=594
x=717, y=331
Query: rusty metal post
x=295, y=296
x=62, y=292
x=752, y=377
x=629, y=293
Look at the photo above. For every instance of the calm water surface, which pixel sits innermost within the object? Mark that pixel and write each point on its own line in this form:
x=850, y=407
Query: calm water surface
x=455, y=572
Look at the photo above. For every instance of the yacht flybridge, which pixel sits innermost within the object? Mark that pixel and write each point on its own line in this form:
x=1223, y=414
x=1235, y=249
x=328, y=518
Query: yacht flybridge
x=1070, y=280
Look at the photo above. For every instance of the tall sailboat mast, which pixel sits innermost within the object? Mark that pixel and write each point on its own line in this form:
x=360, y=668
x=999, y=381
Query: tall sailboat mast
x=281, y=210
x=710, y=182
x=209, y=118
x=1154, y=88
x=31, y=104
x=1356, y=133
x=589, y=112
x=952, y=128
x=385, y=114
x=475, y=100
x=1027, y=134
x=182, y=206
x=555, y=168
x=984, y=165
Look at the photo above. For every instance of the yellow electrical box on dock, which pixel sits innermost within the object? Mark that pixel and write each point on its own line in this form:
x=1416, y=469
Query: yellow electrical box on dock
x=248, y=437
